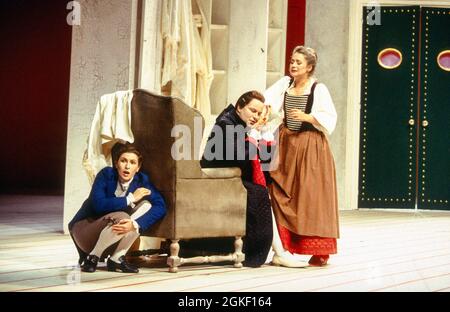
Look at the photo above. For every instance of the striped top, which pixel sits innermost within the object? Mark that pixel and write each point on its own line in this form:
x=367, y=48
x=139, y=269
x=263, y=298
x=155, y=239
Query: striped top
x=291, y=102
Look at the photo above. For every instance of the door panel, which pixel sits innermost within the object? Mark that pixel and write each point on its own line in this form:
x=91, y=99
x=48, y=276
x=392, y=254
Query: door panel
x=405, y=110
x=434, y=143
x=388, y=103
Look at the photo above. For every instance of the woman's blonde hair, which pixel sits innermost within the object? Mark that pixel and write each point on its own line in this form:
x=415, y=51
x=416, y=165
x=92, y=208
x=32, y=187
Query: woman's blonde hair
x=310, y=56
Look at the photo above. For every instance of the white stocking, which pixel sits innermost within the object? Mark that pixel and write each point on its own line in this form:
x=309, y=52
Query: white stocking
x=107, y=238
x=125, y=244
x=276, y=242
x=127, y=241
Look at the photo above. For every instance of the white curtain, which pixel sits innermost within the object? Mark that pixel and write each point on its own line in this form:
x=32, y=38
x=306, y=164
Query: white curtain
x=187, y=59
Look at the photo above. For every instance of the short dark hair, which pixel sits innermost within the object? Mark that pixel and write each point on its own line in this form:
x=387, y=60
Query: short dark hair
x=119, y=148
x=246, y=98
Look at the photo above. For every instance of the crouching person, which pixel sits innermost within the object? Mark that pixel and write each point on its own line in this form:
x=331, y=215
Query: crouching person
x=122, y=204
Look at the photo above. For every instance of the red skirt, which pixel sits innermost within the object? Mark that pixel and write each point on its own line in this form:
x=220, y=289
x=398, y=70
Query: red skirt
x=307, y=245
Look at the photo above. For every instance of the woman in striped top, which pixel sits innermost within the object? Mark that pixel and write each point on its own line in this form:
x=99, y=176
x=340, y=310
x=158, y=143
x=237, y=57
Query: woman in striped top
x=303, y=191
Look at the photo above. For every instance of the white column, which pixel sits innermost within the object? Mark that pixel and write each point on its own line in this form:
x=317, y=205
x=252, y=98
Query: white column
x=102, y=51
x=327, y=26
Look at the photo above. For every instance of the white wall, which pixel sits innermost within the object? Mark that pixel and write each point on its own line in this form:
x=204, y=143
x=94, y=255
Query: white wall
x=102, y=51
x=326, y=31
x=247, y=50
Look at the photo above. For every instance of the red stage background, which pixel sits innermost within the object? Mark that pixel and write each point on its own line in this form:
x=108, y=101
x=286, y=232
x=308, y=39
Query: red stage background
x=34, y=91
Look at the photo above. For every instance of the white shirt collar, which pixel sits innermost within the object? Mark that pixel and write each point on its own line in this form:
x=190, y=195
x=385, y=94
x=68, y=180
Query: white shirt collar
x=124, y=186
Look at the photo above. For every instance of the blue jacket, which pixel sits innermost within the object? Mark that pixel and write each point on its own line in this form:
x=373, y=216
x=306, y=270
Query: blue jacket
x=102, y=200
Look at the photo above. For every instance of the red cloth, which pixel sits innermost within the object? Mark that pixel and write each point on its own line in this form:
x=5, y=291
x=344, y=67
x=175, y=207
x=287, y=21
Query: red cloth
x=307, y=245
x=257, y=175
x=267, y=143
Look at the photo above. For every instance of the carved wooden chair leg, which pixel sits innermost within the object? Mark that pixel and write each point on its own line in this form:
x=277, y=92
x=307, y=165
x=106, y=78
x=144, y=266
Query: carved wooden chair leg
x=238, y=255
x=174, y=261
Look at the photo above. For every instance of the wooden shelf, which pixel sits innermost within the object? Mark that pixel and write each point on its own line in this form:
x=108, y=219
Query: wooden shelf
x=219, y=72
x=275, y=30
x=276, y=40
x=219, y=27
x=220, y=13
x=219, y=46
x=230, y=47
x=218, y=94
x=274, y=73
x=277, y=13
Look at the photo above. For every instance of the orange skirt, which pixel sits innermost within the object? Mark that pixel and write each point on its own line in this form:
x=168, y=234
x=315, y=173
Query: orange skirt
x=304, y=193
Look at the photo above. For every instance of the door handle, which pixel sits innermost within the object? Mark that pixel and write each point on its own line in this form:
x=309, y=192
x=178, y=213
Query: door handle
x=424, y=123
x=411, y=122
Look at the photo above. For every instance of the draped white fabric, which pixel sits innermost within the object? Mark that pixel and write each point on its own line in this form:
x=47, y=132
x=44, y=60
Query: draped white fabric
x=111, y=123
x=187, y=58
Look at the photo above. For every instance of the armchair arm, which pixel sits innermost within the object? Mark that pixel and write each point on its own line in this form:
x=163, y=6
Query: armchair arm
x=220, y=173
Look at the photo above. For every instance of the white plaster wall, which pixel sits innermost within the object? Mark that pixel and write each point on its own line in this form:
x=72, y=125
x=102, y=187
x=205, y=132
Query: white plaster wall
x=326, y=31
x=100, y=63
x=247, y=47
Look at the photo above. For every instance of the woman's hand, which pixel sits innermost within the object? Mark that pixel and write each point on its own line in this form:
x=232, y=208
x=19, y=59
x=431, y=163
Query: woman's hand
x=263, y=119
x=140, y=193
x=124, y=226
x=299, y=115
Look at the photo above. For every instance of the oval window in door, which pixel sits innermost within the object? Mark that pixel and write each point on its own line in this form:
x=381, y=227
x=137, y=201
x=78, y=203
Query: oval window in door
x=443, y=60
x=390, y=58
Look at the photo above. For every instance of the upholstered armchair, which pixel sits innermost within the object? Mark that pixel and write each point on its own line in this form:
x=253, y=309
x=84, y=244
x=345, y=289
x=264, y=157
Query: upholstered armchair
x=201, y=203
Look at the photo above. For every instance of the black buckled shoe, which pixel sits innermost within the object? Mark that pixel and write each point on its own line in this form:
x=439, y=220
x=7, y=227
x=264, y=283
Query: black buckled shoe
x=90, y=264
x=123, y=266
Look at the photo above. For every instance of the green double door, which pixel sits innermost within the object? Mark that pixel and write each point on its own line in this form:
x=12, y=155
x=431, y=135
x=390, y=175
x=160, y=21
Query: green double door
x=405, y=109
